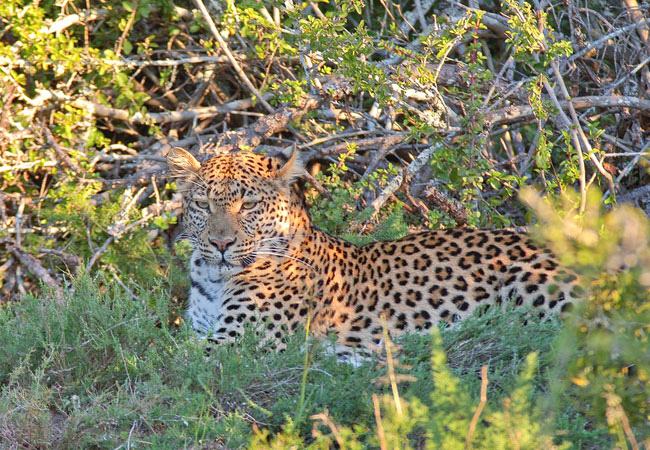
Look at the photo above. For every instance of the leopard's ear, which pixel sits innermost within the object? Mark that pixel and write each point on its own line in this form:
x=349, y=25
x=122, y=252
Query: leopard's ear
x=292, y=169
x=182, y=163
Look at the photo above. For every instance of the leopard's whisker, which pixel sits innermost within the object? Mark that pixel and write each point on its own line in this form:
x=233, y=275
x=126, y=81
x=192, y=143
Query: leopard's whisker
x=283, y=255
x=284, y=239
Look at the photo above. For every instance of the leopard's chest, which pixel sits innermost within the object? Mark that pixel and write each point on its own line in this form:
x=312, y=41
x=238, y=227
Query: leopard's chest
x=206, y=300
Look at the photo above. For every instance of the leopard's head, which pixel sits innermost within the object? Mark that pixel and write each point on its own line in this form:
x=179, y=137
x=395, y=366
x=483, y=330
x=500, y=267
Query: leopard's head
x=238, y=207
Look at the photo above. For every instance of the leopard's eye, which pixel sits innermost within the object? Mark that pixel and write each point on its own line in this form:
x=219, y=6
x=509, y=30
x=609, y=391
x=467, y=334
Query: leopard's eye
x=202, y=204
x=248, y=205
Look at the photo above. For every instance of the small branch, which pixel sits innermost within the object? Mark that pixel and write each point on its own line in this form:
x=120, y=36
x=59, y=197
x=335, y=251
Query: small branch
x=35, y=267
x=28, y=165
x=264, y=127
x=319, y=187
x=412, y=15
x=416, y=202
x=495, y=22
x=165, y=117
x=580, y=131
x=59, y=151
x=333, y=137
x=379, y=156
x=139, y=177
x=391, y=368
x=627, y=75
x=525, y=112
x=420, y=13
x=628, y=167
x=391, y=139
x=479, y=409
x=605, y=39
x=71, y=261
x=316, y=9
x=380, y=426
x=574, y=136
x=456, y=210
x=411, y=170
x=99, y=252
x=637, y=17
x=224, y=46
x=171, y=62
x=325, y=418
x=127, y=28
x=73, y=19
x=277, y=121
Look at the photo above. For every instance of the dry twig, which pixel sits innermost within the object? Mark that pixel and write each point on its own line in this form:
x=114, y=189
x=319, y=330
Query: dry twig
x=479, y=408
x=380, y=426
x=411, y=170
x=235, y=64
x=164, y=117
x=521, y=113
x=457, y=211
x=34, y=266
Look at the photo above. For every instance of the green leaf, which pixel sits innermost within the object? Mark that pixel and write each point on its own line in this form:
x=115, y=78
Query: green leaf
x=127, y=47
x=454, y=177
x=122, y=79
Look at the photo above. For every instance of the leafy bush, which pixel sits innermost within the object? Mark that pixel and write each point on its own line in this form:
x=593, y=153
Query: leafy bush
x=55, y=149
x=450, y=419
x=603, y=355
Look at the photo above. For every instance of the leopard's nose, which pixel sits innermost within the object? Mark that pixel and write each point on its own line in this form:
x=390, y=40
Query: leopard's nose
x=222, y=244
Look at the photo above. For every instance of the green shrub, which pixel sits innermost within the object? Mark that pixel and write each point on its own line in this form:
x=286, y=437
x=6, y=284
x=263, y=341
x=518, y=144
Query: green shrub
x=603, y=355
x=104, y=368
x=444, y=421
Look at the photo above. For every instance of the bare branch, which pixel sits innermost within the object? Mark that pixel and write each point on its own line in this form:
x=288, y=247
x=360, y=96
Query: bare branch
x=251, y=137
x=73, y=19
x=525, y=113
x=173, y=62
x=165, y=117
x=34, y=266
x=411, y=170
x=224, y=46
x=479, y=408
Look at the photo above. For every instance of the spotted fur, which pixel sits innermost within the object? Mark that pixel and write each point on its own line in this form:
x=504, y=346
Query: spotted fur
x=258, y=258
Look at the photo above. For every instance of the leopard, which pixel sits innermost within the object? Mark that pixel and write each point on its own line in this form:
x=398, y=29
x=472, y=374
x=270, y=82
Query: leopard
x=257, y=259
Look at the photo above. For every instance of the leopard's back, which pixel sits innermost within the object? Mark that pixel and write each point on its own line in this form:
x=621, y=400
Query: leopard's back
x=426, y=278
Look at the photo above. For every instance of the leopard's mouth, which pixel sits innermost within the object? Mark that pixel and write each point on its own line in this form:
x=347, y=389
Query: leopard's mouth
x=221, y=264
x=217, y=260
x=242, y=260
x=229, y=262
x=218, y=270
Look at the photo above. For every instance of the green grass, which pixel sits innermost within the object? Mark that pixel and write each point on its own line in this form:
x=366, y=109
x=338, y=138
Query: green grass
x=106, y=371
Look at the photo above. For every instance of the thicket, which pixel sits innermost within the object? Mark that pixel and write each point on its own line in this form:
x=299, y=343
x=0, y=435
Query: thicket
x=408, y=114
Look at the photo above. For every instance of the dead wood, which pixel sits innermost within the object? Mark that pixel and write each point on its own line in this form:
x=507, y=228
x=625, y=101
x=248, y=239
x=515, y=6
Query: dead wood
x=436, y=198
x=34, y=266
